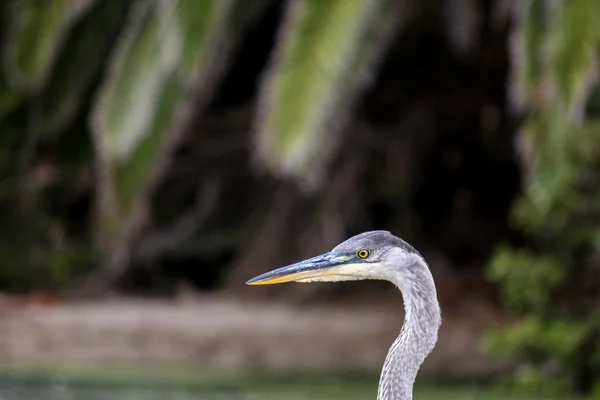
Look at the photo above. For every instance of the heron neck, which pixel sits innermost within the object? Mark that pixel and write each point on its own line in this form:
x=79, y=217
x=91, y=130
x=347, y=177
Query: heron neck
x=422, y=319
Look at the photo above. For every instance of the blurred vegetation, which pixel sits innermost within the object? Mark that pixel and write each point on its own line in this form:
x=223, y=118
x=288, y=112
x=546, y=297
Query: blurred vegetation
x=551, y=285
x=112, y=87
x=136, y=134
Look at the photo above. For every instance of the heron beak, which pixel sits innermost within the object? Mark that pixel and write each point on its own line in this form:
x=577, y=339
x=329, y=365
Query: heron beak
x=324, y=265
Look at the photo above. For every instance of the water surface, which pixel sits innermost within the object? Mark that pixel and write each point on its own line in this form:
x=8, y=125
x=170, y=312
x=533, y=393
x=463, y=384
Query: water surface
x=107, y=383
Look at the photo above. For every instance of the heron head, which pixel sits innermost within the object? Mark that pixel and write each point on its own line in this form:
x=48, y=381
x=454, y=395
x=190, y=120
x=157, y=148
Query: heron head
x=370, y=255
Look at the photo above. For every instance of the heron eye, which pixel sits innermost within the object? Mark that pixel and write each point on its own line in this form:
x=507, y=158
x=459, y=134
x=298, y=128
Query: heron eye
x=362, y=253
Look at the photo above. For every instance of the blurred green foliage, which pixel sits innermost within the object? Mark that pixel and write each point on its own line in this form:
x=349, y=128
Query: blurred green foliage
x=527, y=279
x=327, y=46
x=549, y=286
x=103, y=87
x=162, y=56
x=115, y=85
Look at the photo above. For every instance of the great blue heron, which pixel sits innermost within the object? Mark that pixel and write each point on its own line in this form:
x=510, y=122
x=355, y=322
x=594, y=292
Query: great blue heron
x=381, y=255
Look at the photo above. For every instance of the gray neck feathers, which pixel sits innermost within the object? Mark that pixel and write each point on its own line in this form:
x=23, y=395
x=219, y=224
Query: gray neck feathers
x=419, y=333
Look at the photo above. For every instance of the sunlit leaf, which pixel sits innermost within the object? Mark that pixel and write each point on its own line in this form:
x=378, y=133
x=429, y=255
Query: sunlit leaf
x=325, y=50
x=168, y=52
x=147, y=54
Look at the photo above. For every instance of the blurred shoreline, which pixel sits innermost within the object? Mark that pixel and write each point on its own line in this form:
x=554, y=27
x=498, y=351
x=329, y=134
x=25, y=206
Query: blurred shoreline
x=223, y=333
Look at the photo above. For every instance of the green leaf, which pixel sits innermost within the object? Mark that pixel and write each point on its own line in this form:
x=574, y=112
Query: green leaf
x=533, y=42
x=146, y=55
x=531, y=334
x=319, y=64
x=169, y=50
x=528, y=54
x=36, y=32
x=124, y=180
x=526, y=279
x=538, y=342
x=575, y=38
x=201, y=29
x=83, y=56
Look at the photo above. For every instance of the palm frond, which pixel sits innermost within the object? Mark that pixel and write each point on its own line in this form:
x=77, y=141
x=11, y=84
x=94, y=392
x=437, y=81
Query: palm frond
x=169, y=57
x=89, y=43
x=528, y=55
x=575, y=38
x=35, y=34
x=320, y=62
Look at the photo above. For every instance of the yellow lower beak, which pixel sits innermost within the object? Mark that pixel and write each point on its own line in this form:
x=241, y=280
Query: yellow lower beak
x=316, y=267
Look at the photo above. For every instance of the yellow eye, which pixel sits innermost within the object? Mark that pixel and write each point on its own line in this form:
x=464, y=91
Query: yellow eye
x=362, y=253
